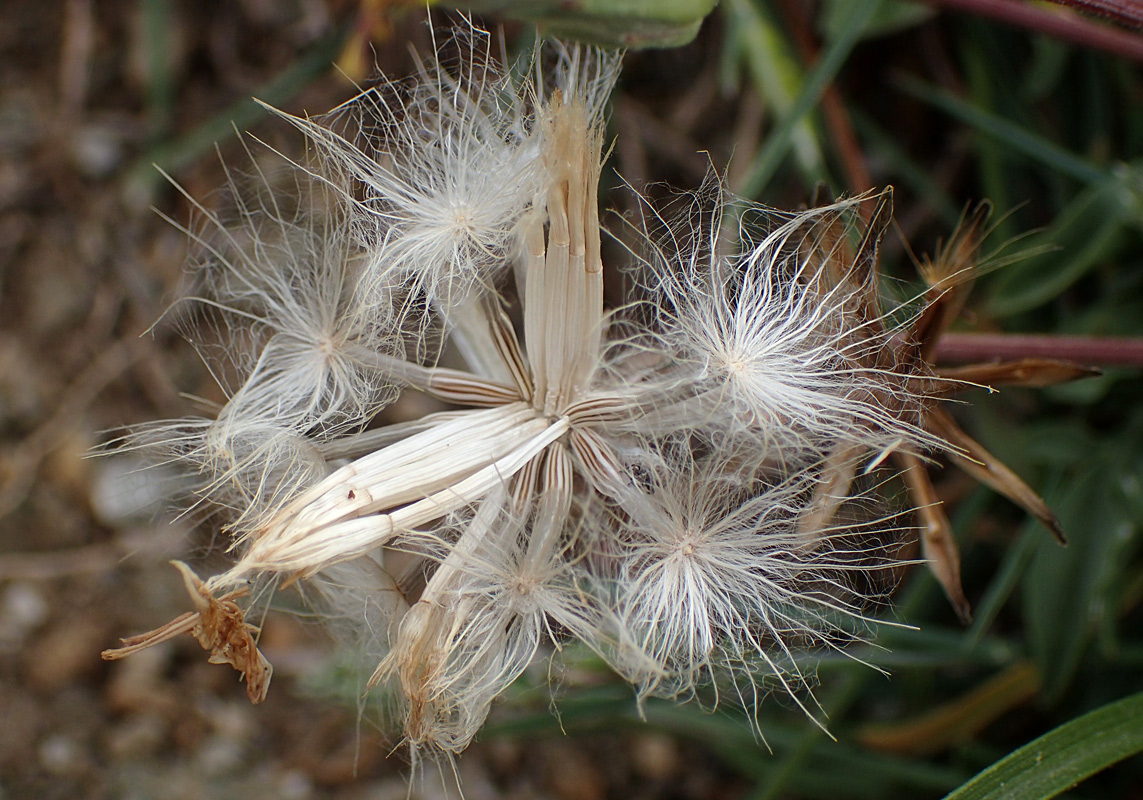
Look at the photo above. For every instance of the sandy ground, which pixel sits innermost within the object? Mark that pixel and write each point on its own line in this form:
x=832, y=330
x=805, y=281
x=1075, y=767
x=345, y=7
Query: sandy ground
x=90, y=94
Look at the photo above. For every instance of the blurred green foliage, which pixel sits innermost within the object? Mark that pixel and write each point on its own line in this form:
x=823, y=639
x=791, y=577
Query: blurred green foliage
x=612, y=23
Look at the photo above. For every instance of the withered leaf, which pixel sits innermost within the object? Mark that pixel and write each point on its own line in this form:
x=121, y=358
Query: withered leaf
x=937, y=543
x=1035, y=373
x=219, y=626
x=971, y=457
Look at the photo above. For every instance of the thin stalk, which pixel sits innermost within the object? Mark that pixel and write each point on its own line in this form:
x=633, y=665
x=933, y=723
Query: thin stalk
x=1069, y=27
x=1126, y=12
x=1105, y=350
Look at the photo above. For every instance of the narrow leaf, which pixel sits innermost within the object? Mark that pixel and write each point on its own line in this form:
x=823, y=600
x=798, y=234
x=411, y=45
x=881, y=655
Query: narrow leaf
x=1062, y=758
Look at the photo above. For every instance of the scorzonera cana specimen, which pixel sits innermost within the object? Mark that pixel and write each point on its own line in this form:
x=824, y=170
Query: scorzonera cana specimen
x=687, y=482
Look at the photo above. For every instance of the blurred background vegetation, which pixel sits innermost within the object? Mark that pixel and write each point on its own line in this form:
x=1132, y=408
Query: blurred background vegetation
x=1035, y=107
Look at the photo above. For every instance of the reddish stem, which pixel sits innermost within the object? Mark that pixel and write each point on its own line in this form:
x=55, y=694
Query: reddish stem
x=1125, y=12
x=1071, y=27
x=1096, y=350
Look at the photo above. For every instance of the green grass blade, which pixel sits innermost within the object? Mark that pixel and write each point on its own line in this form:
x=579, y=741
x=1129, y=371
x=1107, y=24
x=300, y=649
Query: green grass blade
x=142, y=177
x=1061, y=624
x=777, y=75
x=1019, y=139
x=1084, y=235
x=632, y=24
x=1062, y=758
x=832, y=57
x=155, y=18
x=1003, y=584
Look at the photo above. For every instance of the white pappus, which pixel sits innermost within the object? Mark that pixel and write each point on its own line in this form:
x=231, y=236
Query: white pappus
x=673, y=482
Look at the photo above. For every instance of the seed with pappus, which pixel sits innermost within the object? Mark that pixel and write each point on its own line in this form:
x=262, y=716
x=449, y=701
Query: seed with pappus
x=688, y=483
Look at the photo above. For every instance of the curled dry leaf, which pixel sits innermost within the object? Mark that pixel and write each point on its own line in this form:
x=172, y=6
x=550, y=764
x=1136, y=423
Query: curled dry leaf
x=219, y=626
x=1035, y=373
x=937, y=543
x=991, y=471
x=949, y=275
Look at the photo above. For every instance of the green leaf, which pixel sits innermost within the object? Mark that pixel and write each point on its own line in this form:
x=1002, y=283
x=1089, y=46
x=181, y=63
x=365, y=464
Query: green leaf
x=634, y=24
x=1067, y=589
x=141, y=178
x=832, y=58
x=1020, y=139
x=777, y=77
x=1001, y=587
x=888, y=18
x=1085, y=235
x=1062, y=758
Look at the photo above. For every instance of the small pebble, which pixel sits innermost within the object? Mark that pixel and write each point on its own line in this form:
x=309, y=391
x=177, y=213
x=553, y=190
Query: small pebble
x=137, y=738
x=23, y=609
x=61, y=755
x=654, y=756
x=97, y=150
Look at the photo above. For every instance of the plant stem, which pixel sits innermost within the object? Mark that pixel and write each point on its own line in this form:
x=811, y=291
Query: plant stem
x=1098, y=350
x=1071, y=27
x=1125, y=12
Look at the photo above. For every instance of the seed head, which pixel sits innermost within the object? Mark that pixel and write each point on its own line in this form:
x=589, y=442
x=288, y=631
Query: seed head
x=673, y=482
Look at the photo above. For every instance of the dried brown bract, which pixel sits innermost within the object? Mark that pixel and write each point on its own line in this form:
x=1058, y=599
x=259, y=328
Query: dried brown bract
x=219, y=626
